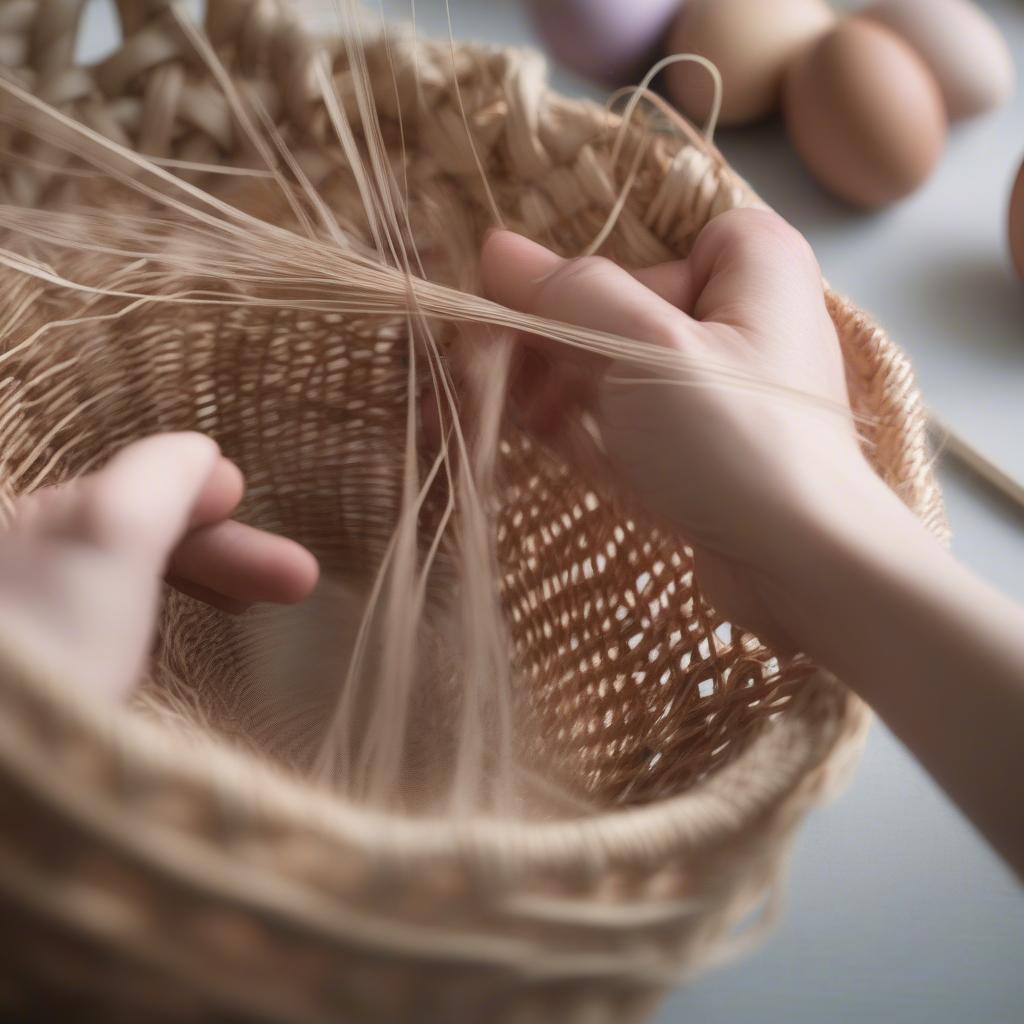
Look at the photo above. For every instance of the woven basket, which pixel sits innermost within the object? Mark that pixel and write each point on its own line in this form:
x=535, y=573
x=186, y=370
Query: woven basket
x=147, y=878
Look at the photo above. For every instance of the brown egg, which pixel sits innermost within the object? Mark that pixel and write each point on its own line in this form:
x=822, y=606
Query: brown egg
x=960, y=44
x=865, y=114
x=751, y=42
x=1017, y=223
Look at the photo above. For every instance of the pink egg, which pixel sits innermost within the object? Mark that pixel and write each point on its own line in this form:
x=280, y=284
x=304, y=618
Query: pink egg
x=612, y=41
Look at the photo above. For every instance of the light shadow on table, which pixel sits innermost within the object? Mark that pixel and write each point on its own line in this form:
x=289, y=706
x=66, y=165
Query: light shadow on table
x=972, y=296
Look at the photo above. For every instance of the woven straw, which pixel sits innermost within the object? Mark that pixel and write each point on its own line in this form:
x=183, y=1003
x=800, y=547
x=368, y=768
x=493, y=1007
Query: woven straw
x=146, y=878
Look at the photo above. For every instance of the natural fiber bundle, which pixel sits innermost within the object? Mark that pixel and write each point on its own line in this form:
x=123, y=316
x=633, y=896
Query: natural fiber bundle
x=228, y=849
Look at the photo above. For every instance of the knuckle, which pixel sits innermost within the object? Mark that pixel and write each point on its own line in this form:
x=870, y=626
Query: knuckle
x=584, y=270
x=785, y=236
x=755, y=228
x=747, y=220
x=660, y=328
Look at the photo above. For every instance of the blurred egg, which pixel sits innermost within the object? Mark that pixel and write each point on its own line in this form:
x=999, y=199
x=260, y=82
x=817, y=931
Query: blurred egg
x=612, y=41
x=750, y=42
x=960, y=44
x=865, y=114
x=1017, y=223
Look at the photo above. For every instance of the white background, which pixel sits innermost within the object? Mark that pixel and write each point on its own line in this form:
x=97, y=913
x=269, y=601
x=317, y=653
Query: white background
x=898, y=914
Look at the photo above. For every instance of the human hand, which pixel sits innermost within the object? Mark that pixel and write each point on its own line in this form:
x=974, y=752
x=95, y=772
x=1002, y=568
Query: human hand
x=795, y=536
x=80, y=565
x=743, y=470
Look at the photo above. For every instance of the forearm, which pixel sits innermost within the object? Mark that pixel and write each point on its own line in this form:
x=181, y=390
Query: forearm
x=936, y=652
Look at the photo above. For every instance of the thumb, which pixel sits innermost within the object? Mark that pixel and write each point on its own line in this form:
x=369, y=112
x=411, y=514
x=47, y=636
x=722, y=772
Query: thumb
x=145, y=497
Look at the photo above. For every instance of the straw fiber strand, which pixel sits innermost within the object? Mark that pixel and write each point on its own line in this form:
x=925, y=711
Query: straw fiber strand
x=175, y=864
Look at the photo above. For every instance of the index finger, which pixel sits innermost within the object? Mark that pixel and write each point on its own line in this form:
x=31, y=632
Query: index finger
x=591, y=292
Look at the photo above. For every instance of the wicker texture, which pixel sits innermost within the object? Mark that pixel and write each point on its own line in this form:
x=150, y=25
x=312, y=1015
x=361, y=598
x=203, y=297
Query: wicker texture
x=216, y=885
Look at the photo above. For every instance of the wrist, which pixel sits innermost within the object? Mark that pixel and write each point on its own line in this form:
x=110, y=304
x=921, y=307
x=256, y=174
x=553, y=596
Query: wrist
x=855, y=550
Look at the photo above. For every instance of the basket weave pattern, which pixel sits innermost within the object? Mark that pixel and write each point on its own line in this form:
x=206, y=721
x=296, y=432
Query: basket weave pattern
x=161, y=885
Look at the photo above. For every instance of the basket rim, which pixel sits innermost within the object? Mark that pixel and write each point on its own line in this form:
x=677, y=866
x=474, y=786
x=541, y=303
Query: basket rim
x=768, y=772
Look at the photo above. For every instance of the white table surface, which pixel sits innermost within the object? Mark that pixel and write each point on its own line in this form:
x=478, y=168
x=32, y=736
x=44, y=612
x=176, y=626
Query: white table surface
x=898, y=913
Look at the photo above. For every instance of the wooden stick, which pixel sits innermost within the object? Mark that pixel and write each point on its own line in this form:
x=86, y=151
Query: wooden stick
x=982, y=467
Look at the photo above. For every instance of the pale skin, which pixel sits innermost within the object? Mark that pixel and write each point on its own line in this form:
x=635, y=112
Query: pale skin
x=795, y=536
x=80, y=567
